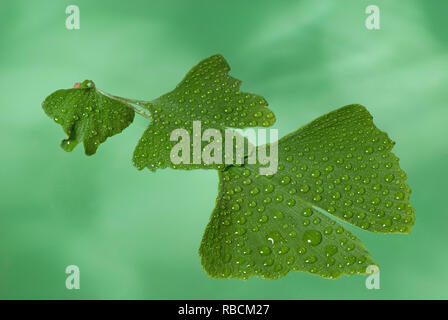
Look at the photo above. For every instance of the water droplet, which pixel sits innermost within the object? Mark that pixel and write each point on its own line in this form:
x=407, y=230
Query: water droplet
x=307, y=212
x=331, y=250
x=312, y=237
x=283, y=250
x=264, y=250
x=310, y=259
x=399, y=196
x=254, y=191
x=315, y=173
x=240, y=231
x=285, y=180
x=241, y=220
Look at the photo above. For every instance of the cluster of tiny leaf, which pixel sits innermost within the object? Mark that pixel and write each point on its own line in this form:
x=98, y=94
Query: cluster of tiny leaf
x=338, y=165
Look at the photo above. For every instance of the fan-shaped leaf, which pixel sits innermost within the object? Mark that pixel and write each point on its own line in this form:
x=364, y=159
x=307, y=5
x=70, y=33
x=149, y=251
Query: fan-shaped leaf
x=268, y=225
x=207, y=94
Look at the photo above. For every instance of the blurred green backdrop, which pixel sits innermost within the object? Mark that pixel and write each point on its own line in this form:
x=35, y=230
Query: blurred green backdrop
x=135, y=234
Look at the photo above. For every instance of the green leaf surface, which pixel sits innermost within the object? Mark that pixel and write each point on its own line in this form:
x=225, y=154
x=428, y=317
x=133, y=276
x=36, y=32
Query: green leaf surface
x=208, y=94
x=87, y=115
x=267, y=226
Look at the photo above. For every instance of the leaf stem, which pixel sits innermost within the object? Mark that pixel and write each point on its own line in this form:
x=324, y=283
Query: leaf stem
x=130, y=103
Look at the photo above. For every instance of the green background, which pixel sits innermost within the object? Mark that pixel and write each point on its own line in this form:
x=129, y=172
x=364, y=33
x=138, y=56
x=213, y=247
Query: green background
x=136, y=234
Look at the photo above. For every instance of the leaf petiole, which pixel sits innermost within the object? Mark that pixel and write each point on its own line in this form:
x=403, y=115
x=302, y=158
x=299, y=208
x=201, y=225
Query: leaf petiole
x=130, y=103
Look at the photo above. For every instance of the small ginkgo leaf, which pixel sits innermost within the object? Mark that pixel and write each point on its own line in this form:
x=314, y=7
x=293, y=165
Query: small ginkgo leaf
x=87, y=115
x=267, y=226
x=209, y=97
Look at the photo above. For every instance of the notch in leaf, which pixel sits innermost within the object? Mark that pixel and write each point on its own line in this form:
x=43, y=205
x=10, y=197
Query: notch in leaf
x=87, y=115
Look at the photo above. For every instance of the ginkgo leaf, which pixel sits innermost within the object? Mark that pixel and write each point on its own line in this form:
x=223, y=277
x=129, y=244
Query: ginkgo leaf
x=87, y=115
x=207, y=94
x=267, y=226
